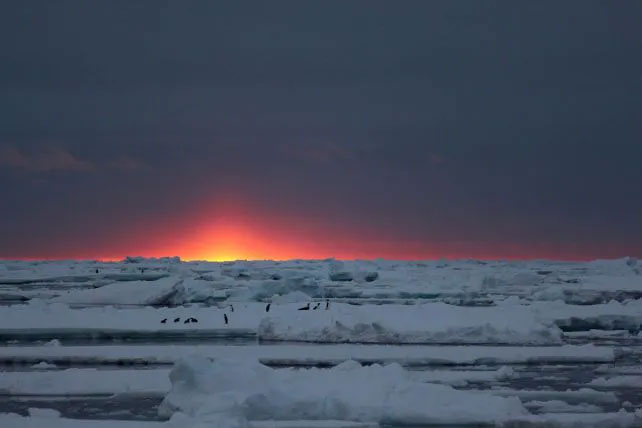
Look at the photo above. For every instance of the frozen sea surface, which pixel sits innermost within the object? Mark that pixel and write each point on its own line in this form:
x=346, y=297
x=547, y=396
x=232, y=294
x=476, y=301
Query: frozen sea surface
x=509, y=343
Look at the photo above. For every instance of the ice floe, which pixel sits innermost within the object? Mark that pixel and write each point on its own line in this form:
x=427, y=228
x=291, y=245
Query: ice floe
x=557, y=406
x=240, y=390
x=43, y=413
x=460, y=378
x=624, y=381
x=427, y=323
x=157, y=292
x=620, y=419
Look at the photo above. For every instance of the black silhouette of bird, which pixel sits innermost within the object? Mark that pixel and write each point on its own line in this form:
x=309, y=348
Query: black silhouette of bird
x=194, y=319
x=305, y=308
x=164, y=320
x=231, y=308
x=316, y=306
x=177, y=319
x=187, y=321
x=97, y=271
x=267, y=308
x=327, y=304
x=225, y=318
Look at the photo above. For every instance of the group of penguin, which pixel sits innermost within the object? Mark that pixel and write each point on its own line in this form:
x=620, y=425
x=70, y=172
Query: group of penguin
x=178, y=319
x=141, y=269
x=267, y=309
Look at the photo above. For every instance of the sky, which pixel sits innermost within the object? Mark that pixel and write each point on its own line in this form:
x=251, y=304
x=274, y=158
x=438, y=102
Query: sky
x=290, y=129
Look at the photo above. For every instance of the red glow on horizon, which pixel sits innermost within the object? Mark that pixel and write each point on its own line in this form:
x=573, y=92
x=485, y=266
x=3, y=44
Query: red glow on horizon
x=241, y=233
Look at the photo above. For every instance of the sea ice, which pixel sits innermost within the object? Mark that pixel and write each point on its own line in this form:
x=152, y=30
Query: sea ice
x=302, y=355
x=43, y=413
x=247, y=390
x=157, y=292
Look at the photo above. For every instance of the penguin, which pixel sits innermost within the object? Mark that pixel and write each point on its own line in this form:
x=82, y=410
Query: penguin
x=267, y=308
x=327, y=304
x=187, y=321
x=164, y=320
x=316, y=306
x=194, y=319
x=97, y=271
x=177, y=319
x=225, y=318
x=305, y=308
x=231, y=308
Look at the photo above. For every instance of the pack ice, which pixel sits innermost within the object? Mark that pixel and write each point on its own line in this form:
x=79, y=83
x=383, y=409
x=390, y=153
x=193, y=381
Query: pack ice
x=322, y=343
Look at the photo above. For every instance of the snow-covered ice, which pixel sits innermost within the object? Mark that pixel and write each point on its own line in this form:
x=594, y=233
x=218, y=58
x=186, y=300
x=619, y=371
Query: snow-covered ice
x=43, y=413
x=240, y=390
x=43, y=366
x=341, y=323
x=557, y=406
x=623, y=381
x=426, y=323
x=582, y=395
x=620, y=419
x=451, y=341
x=85, y=381
x=124, y=293
x=462, y=378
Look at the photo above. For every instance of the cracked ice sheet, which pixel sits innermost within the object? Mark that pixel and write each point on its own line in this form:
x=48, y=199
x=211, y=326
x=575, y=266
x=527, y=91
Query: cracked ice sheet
x=411, y=355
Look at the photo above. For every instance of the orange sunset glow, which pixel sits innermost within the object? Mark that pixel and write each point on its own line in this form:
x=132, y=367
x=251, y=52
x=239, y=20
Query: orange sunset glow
x=236, y=229
x=241, y=231
x=238, y=233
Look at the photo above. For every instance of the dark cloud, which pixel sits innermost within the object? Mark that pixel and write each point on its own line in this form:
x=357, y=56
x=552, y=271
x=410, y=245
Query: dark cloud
x=487, y=122
x=48, y=159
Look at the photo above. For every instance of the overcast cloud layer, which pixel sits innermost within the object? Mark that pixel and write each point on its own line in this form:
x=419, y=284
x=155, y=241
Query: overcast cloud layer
x=505, y=124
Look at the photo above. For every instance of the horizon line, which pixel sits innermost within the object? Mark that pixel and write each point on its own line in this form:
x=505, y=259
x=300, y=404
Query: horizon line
x=192, y=260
